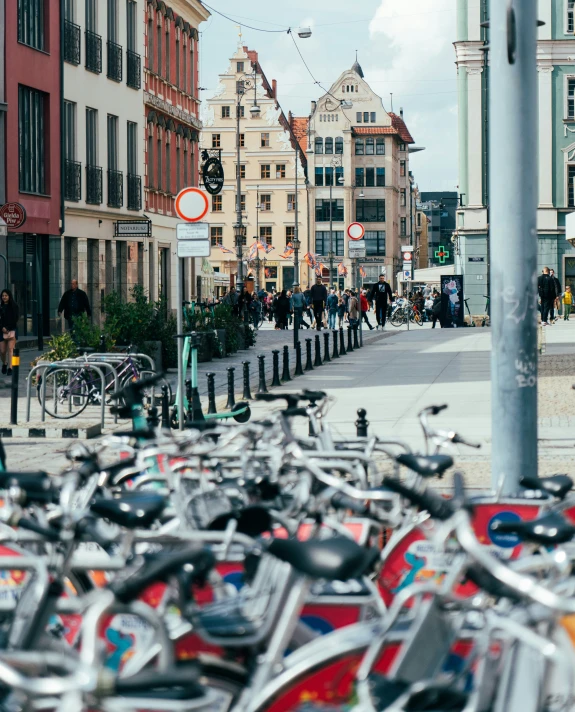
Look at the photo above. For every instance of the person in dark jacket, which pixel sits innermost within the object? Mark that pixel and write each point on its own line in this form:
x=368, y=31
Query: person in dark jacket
x=547, y=294
x=283, y=308
x=558, y=293
x=73, y=303
x=8, y=329
x=436, y=309
x=318, y=295
x=380, y=293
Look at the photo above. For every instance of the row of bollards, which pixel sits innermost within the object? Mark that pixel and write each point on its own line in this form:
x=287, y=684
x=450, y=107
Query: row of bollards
x=313, y=359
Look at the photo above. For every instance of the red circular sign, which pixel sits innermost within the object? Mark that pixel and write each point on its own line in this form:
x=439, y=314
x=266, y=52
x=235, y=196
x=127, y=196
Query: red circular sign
x=192, y=204
x=407, y=256
x=13, y=214
x=355, y=231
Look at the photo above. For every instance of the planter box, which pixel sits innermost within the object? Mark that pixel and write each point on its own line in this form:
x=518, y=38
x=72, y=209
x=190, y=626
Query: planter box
x=223, y=341
x=204, y=348
x=241, y=338
x=154, y=349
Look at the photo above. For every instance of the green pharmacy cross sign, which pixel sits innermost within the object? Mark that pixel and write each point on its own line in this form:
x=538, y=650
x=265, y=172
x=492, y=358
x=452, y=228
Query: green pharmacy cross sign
x=441, y=254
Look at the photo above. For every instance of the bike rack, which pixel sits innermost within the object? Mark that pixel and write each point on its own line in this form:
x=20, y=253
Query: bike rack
x=87, y=359
x=122, y=356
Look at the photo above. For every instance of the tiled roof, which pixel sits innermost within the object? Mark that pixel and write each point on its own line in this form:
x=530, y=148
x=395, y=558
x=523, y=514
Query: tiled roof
x=397, y=128
x=299, y=125
x=373, y=130
x=252, y=54
x=402, y=129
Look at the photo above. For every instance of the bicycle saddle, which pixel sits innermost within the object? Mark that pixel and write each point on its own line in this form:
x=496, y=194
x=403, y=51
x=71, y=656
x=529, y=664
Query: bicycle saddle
x=426, y=465
x=169, y=685
x=131, y=510
x=335, y=559
x=549, y=529
x=555, y=485
x=37, y=486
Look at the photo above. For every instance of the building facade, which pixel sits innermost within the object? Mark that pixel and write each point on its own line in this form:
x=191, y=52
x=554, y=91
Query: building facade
x=555, y=153
x=268, y=144
x=440, y=208
x=172, y=129
x=30, y=102
x=359, y=172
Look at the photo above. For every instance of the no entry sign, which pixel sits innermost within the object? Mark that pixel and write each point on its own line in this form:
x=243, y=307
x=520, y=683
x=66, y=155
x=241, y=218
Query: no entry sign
x=355, y=231
x=191, y=204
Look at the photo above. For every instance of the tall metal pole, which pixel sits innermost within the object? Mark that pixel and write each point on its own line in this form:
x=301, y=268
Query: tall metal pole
x=240, y=88
x=180, y=340
x=330, y=231
x=295, y=230
x=513, y=225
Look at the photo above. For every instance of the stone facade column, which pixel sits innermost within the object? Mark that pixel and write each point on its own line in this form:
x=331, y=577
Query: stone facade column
x=475, y=137
x=545, y=77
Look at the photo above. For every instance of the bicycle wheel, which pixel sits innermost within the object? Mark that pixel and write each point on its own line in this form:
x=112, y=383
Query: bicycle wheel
x=67, y=392
x=152, y=395
x=416, y=318
x=397, y=317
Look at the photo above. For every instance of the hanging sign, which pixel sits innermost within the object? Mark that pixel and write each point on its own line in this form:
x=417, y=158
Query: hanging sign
x=13, y=214
x=213, y=175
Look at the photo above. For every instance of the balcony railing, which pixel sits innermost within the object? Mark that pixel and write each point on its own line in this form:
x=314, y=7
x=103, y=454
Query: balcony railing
x=134, y=192
x=115, y=189
x=94, y=185
x=93, y=52
x=114, y=62
x=72, y=180
x=71, y=42
x=134, y=70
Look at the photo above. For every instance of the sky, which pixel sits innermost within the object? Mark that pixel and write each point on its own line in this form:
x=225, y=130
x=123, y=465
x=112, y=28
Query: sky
x=405, y=48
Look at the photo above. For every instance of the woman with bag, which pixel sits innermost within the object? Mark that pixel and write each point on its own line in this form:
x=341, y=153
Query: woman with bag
x=8, y=323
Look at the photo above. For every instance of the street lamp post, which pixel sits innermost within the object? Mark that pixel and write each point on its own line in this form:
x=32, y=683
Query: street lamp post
x=335, y=164
x=295, y=231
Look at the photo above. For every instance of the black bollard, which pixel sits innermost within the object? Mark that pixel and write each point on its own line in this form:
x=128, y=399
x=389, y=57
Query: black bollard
x=153, y=419
x=335, y=353
x=349, y=339
x=276, y=368
x=326, y=357
x=355, y=341
x=211, y=393
x=102, y=344
x=286, y=376
x=195, y=413
x=231, y=397
x=361, y=423
x=247, y=392
x=14, y=388
x=262, y=388
x=308, y=363
x=298, y=364
x=317, y=362
x=165, y=408
x=341, y=342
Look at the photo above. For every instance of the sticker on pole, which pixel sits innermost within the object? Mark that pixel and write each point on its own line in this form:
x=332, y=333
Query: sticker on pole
x=355, y=231
x=191, y=204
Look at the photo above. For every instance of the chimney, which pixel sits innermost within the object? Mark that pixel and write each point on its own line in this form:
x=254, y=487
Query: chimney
x=313, y=105
x=275, y=88
x=401, y=112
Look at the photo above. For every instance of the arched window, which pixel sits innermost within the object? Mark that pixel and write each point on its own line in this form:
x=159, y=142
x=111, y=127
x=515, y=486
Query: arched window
x=329, y=145
x=319, y=144
x=339, y=144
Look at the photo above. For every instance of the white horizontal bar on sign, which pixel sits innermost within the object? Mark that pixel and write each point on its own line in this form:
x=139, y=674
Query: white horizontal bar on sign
x=192, y=231
x=193, y=248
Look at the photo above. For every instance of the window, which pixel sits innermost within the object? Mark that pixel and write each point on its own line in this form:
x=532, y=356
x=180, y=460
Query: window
x=402, y=169
x=339, y=144
x=90, y=19
x=265, y=202
x=370, y=177
x=31, y=23
x=370, y=210
x=178, y=170
x=366, y=117
x=324, y=240
x=150, y=162
x=339, y=179
x=132, y=25
x=242, y=202
x=168, y=166
x=402, y=227
x=359, y=147
x=291, y=202
x=359, y=177
x=328, y=175
x=281, y=170
x=69, y=131
x=290, y=233
x=265, y=170
x=401, y=146
x=375, y=243
x=380, y=177
x=322, y=210
x=318, y=144
x=132, y=148
x=239, y=66
x=216, y=141
x=217, y=235
x=191, y=66
x=318, y=175
x=369, y=146
x=329, y=145
x=178, y=50
x=225, y=112
x=265, y=140
x=168, y=67
x=91, y=137
x=242, y=170
x=186, y=164
x=380, y=146
x=241, y=110
x=570, y=98
x=242, y=141
x=159, y=47
x=150, y=42
x=402, y=194
x=184, y=67
x=112, y=142
x=31, y=139
x=217, y=205
x=113, y=21
x=266, y=234
x=569, y=24
x=358, y=117
x=570, y=186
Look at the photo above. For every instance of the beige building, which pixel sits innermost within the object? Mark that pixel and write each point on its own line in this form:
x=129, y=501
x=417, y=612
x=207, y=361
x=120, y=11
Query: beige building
x=358, y=154
x=267, y=160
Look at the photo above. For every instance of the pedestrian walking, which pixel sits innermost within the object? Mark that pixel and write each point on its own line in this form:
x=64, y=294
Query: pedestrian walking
x=331, y=304
x=567, y=303
x=428, y=306
x=546, y=290
x=379, y=295
x=558, y=292
x=318, y=294
x=8, y=329
x=298, y=306
x=282, y=310
x=353, y=309
x=365, y=308
x=436, y=309
x=73, y=303
x=340, y=312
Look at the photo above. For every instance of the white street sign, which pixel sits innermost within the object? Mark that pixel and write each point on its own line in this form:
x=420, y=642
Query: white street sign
x=407, y=275
x=194, y=248
x=356, y=249
x=192, y=231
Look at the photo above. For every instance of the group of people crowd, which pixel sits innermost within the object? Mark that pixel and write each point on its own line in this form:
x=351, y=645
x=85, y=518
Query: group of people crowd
x=552, y=297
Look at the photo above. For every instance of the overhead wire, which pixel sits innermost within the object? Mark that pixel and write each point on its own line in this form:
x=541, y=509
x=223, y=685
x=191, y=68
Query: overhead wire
x=231, y=19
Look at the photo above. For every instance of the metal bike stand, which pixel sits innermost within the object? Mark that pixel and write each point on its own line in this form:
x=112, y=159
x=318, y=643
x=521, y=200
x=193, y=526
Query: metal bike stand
x=38, y=367
x=116, y=381
x=136, y=356
x=97, y=368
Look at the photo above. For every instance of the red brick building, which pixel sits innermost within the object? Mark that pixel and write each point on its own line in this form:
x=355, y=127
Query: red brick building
x=172, y=106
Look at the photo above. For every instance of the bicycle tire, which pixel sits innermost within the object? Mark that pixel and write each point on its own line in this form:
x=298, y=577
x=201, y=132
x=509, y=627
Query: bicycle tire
x=397, y=318
x=81, y=397
x=417, y=319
